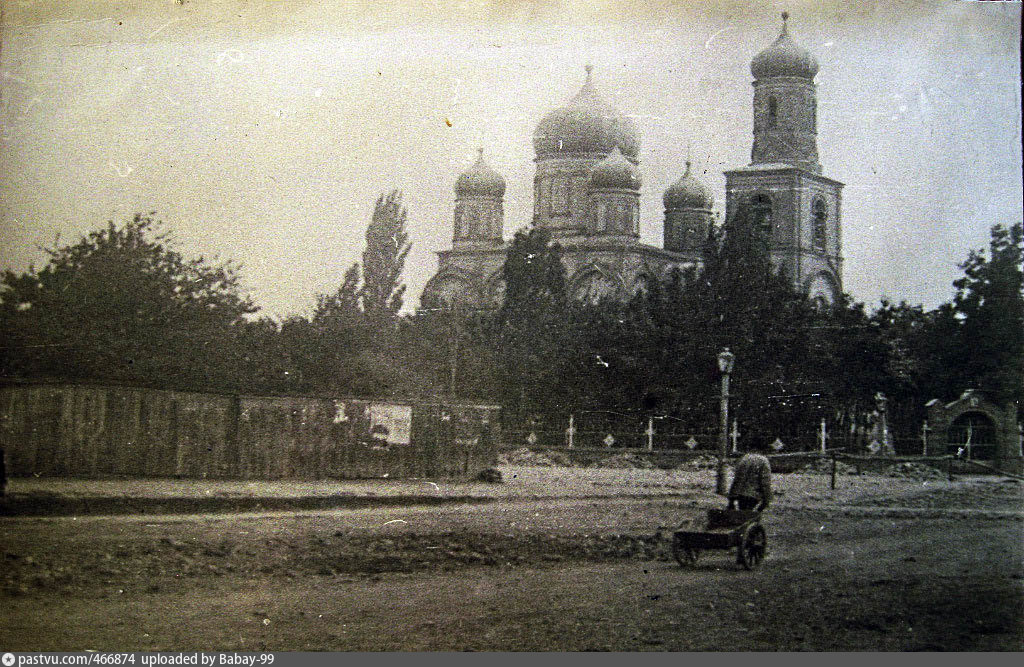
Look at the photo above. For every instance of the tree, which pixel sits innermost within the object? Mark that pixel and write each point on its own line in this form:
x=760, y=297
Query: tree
x=989, y=304
x=342, y=346
x=123, y=304
x=534, y=278
x=531, y=322
x=341, y=307
x=387, y=245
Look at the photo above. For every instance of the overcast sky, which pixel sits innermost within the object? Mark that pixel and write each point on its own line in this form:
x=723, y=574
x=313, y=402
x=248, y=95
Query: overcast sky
x=262, y=132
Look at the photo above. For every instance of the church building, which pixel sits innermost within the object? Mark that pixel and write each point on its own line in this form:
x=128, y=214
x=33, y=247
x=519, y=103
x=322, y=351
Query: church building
x=586, y=191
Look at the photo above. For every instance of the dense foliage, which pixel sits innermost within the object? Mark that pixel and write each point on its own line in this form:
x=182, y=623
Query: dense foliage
x=123, y=305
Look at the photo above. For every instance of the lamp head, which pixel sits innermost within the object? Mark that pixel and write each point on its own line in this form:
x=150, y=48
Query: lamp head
x=725, y=360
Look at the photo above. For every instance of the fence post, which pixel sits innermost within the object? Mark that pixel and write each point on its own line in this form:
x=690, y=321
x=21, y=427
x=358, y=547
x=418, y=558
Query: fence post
x=570, y=432
x=650, y=434
x=949, y=467
x=833, y=483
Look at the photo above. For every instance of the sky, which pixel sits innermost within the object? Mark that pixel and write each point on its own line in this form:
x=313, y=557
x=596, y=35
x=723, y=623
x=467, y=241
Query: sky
x=262, y=132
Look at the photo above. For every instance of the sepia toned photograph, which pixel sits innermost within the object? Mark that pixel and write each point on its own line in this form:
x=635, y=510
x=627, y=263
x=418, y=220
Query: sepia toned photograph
x=509, y=326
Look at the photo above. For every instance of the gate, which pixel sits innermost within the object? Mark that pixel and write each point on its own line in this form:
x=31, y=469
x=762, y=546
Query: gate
x=972, y=435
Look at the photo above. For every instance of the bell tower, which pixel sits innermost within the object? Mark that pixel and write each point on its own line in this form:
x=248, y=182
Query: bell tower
x=785, y=105
x=783, y=187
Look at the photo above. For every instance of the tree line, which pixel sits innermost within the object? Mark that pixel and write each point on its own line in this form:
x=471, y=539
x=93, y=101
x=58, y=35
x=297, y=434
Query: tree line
x=124, y=305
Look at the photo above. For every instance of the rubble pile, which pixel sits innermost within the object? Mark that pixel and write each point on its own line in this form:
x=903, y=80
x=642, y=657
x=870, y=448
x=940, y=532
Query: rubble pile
x=524, y=456
x=912, y=470
x=625, y=460
x=824, y=467
x=490, y=475
x=558, y=458
x=699, y=462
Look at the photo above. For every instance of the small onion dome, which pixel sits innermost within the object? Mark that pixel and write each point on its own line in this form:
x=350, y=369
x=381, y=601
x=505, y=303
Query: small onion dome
x=615, y=172
x=688, y=192
x=587, y=124
x=784, y=58
x=480, y=179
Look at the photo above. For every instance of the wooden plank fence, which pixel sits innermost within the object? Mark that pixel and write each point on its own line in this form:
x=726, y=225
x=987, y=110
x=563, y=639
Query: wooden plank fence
x=91, y=430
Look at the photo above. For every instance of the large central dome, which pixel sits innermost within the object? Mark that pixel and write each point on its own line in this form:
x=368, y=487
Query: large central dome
x=587, y=124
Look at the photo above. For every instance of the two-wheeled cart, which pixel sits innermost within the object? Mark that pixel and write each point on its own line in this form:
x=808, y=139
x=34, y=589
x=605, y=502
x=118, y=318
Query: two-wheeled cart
x=726, y=529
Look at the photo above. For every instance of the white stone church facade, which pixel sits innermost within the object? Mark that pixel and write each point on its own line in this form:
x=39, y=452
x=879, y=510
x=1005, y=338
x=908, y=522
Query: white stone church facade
x=587, y=191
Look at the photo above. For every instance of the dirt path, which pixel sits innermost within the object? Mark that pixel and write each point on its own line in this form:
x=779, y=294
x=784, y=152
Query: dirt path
x=943, y=585
x=944, y=571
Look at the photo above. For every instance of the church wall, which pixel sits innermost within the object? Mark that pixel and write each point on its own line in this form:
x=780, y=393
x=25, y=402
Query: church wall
x=626, y=267
x=686, y=229
x=741, y=186
x=478, y=218
x=790, y=137
x=793, y=193
x=560, y=193
x=811, y=188
x=474, y=269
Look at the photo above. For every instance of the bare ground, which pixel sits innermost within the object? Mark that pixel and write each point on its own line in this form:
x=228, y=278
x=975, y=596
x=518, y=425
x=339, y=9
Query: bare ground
x=876, y=565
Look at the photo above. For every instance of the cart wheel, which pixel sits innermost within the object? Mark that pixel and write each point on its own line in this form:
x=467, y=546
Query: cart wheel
x=753, y=548
x=684, y=555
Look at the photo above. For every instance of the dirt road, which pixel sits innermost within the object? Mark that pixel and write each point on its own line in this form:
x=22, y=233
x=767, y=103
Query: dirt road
x=940, y=569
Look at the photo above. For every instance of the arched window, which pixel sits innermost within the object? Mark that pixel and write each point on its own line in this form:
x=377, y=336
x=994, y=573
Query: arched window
x=611, y=219
x=761, y=212
x=577, y=194
x=473, y=221
x=486, y=223
x=460, y=215
x=773, y=111
x=593, y=287
x=560, y=196
x=819, y=233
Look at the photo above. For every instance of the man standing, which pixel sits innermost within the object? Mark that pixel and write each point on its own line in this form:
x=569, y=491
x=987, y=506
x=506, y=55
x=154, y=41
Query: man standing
x=751, y=483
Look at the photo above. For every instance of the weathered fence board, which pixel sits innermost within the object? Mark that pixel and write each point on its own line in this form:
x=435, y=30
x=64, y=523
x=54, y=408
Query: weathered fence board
x=92, y=430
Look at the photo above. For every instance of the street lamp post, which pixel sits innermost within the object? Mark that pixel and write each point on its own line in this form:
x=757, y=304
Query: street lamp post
x=882, y=402
x=725, y=362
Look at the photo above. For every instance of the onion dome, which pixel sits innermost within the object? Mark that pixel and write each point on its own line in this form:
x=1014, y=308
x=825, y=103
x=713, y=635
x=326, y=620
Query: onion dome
x=784, y=58
x=480, y=179
x=587, y=124
x=615, y=172
x=688, y=192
